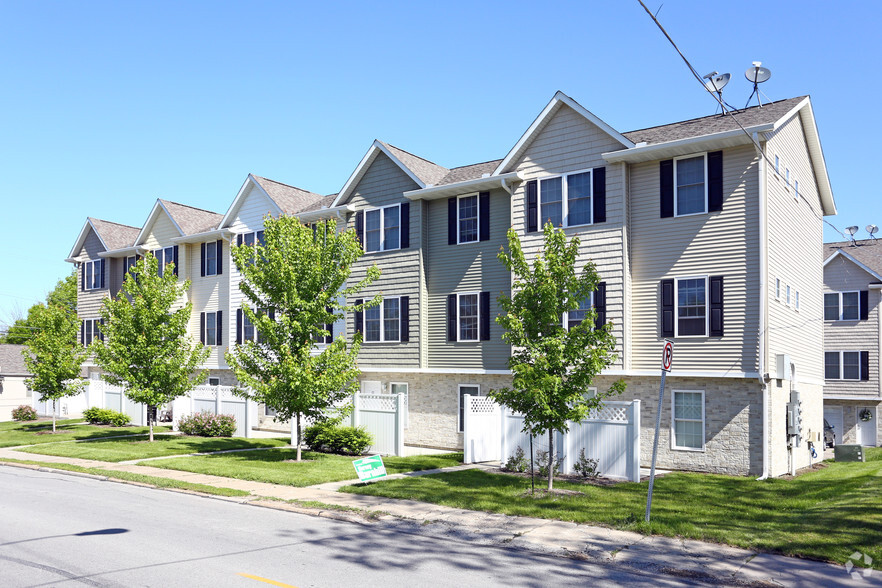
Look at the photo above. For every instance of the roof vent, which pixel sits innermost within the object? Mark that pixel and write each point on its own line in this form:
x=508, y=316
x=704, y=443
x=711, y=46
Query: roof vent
x=485, y=175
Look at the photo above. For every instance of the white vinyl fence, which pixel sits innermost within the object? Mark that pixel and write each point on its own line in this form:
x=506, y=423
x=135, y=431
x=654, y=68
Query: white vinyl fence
x=610, y=435
x=217, y=400
x=383, y=416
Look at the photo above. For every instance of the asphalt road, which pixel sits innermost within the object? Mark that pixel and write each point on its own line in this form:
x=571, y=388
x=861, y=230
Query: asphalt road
x=61, y=530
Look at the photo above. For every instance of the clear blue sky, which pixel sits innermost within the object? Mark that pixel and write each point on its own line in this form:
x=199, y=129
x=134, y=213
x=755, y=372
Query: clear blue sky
x=107, y=106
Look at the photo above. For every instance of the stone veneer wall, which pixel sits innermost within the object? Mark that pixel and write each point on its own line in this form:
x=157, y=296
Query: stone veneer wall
x=850, y=418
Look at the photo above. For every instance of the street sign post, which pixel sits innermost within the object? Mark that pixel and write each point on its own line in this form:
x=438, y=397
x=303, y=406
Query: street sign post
x=667, y=362
x=370, y=468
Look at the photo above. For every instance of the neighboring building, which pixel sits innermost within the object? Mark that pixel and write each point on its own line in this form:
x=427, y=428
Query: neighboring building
x=13, y=372
x=852, y=332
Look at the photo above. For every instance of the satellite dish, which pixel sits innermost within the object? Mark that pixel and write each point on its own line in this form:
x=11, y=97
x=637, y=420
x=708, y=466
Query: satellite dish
x=872, y=230
x=757, y=75
x=851, y=230
x=716, y=82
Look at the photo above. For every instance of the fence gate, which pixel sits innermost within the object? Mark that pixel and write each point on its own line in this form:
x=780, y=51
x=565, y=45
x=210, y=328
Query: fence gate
x=383, y=417
x=481, y=429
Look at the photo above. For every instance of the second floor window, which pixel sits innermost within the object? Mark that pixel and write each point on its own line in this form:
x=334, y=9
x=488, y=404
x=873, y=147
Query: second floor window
x=165, y=256
x=90, y=330
x=690, y=187
x=566, y=200
x=467, y=221
x=691, y=307
x=383, y=322
x=382, y=228
x=211, y=258
x=846, y=365
x=576, y=316
x=468, y=317
x=93, y=275
x=211, y=328
x=842, y=306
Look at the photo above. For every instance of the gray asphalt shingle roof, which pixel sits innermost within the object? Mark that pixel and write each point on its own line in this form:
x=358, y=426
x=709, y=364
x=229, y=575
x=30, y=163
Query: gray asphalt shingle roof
x=867, y=251
x=425, y=170
x=11, y=361
x=469, y=172
x=114, y=235
x=291, y=199
x=192, y=220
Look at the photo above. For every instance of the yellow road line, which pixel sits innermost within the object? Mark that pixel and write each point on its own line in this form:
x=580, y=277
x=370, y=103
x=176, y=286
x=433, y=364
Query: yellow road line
x=266, y=580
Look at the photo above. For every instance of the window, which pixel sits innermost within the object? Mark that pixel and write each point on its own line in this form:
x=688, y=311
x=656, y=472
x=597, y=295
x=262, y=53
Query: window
x=576, y=316
x=211, y=255
x=129, y=263
x=467, y=219
x=383, y=322
x=90, y=331
x=842, y=306
x=165, y=256
x=211, y=328
x=691, y=307
x=400, y=388
x=93, y=275
x=467, y=316
x=688, y=420
x=777, y=288
x=471, y=390
x=566, y=200
x=788, y=295
x=846, y=365
x=777, y=163
x=214, y=381
x=247, y=328
x=796, y=189
x=382, y=228
x=787, y=176
x=796, y=300
x=690, y=188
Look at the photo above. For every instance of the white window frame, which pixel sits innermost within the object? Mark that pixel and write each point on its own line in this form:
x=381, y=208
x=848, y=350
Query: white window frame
x=777, y=164
x=130, y=262
x=164, y=256
x=91, y=331
x=674, y=420
x=842, y=377
x=92, y=275
x=406, y=396
x=796, y=302
x=566, y=315
x=477, y=296
x=477, y=238
x=460, y=422
x=787, y=295
x=381, y=210
x=677, y=307
x=777, y=288
x=213, y=328
x=382, y=309
x=796, y=189
x=677, y=189
x=213, y=245
x=839, y=295
x=787, y=177
x=564, y=198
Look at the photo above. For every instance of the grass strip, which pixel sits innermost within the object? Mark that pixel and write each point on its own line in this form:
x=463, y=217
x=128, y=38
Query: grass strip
x=319, y=505
x=39, y=432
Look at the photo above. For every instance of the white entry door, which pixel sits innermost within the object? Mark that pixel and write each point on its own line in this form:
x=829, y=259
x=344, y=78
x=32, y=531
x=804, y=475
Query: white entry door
x=866, y=432
x=833, y=415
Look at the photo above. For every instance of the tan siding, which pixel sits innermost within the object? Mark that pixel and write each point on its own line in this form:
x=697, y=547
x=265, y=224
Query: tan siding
x=210, y=294
x=719, y=243
x=795, y=234
x=383, y=184
x=842, y=275
x=161, y=233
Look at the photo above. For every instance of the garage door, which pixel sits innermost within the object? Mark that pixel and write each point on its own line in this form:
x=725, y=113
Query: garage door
x=833, y=415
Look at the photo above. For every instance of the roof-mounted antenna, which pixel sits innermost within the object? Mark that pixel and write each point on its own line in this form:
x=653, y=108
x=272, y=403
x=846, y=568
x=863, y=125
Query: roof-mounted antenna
x=851, y=231
x=757, y=75
x=872, y=230
x=716, y=82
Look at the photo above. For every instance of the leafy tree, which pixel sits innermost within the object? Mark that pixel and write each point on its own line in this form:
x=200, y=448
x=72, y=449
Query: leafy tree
x=64, y=294
x=552, y=365
x=53, y=354
x=146, y=348
x=294, y=284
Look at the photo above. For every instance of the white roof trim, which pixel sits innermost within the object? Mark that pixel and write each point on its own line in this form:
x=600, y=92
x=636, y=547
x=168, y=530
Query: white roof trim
x=151, y=218
x=81, y=239
x=852, y=259
x=863, y=398
x=658, y=150
x=323, y=212
x=125, y=251
x=538, y=124
x=199, y=237
x=432, y=192
x=819, y=163
x=240, y=196
x=376, y=148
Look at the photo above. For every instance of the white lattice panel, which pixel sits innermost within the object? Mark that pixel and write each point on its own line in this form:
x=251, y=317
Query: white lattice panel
x=483, y=405
x=381, y=402
x=610, y=413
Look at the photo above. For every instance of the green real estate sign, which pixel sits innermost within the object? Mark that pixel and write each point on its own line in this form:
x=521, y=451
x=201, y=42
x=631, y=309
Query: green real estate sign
x=370, y=468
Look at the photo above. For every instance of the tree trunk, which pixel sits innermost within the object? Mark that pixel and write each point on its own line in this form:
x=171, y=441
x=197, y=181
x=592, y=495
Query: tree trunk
x=149, y=422
x=550, y=459
x=299, y=436
x=53, y=416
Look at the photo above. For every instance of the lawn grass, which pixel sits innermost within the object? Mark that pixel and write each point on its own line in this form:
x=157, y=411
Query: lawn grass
x=130, y=477
x=115, y=450
x=37, y=432
x=272, y=466
x=825, y=514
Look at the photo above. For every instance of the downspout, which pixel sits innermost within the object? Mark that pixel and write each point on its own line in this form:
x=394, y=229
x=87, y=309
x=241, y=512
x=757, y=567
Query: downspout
x=506, y=187
x=764, y=265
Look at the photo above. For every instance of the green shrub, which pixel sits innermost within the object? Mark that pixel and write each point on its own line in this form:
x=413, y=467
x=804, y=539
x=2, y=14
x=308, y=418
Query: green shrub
x=330, y=437
x=106, y=416
x=586, y=467
x=24, y=413
x=206, y=424
x=542, y=464
x=516, y=462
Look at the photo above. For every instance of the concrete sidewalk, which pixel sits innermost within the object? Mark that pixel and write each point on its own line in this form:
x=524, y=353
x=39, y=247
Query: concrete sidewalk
x=686, y=560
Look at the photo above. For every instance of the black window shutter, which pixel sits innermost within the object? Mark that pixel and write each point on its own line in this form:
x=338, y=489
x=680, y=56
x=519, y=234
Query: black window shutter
x=484, y=214
x=219, y=325
x=239, y=238
x=101, y=331
x=219, y=252
x=359, y=227
x=272, y=314
x=202, y=328
x=405, y=318
x=405, y=225
x=485, y=316
x=451, y=317
x=451, y=221
x=102, y=264
x=329, y=338
x=865, y=304
x=600, y=305
x=359, y=316
x=715, y=181
x=82, y=332
x=666, y=183
x=667, y=308
x=716, y=306
x=865, y=365
x=82, y=275
x=239, y=326
x=599, y=196
x=202, y=261
x=532, y=206
x=176, y=259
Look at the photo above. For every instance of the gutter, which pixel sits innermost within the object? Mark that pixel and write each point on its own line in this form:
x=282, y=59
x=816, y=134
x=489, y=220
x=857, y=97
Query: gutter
x=764, y=265
x=643, y=152
x=445, y=190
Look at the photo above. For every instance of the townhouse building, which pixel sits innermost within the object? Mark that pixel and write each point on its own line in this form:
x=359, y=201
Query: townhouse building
x=689, y=224
x=852, y=332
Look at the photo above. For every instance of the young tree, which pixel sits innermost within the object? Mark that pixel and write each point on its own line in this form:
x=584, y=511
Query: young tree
x=64, y=294
x=552, y=364
x=52, y=353
x=146, y=348
x=294, y=283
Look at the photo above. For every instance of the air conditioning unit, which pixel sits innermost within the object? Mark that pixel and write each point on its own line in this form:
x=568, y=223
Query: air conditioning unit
x=782, y=366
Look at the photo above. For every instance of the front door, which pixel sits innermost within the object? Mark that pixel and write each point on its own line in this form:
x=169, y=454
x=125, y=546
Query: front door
x=866, y=430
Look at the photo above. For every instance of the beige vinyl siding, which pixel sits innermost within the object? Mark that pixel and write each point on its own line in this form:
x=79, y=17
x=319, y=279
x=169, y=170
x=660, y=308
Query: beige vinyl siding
x=383, y=184
x=466, y=267
x=842, y=275
x=795, y=234
x=724, y=243
x=210, y=294
x=89, y=301
x=161, y=233
x=570, y=143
